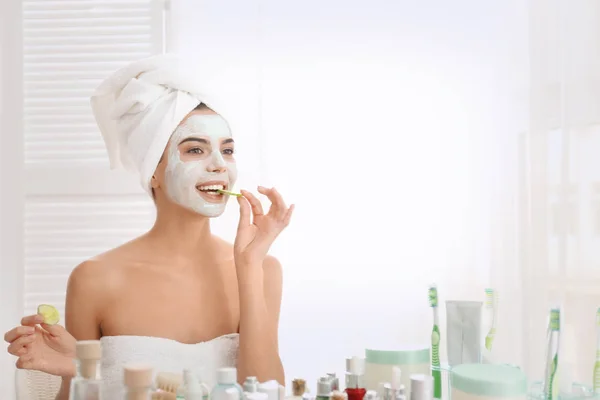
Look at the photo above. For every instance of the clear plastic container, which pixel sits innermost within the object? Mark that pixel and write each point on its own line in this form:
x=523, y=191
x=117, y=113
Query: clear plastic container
x=577, y=391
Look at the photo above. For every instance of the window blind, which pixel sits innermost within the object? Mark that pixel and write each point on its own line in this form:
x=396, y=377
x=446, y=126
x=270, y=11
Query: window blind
x=75, y=207
x=69, y=47
x=61, y=232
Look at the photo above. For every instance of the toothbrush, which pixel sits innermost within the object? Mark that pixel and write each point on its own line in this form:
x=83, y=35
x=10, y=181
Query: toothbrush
x=435, y=343
x=228, y=193
x=597, y=364
x=550, y=388
x=491, y=303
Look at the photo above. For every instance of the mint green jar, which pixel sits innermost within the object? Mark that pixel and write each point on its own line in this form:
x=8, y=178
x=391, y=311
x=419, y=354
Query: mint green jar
x=487, y=382
x=379, y=365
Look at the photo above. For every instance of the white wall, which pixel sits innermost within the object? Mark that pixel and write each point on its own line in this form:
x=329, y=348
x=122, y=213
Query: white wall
x=11, y=204
x=422, y=99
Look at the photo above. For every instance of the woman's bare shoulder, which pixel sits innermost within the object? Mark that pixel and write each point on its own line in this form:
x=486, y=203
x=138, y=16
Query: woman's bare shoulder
x=106, y=268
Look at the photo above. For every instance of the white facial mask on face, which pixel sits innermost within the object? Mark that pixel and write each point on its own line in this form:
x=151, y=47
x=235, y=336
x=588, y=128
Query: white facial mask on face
x=183, y=177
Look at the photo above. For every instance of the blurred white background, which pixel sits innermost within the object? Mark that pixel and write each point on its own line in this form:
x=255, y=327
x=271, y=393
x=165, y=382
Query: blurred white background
x=433, y=141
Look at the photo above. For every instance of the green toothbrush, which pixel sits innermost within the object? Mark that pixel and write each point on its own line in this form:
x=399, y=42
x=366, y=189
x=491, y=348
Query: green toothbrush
x=597, y=363
x=228, y=193
x=550, y=386
x=435, y=344
x=491, y=303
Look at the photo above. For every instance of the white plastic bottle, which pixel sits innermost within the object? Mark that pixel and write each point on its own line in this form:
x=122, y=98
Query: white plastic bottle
x=421, y=387
x=226, y=379
x=230, y=393
x=324, y=388
x=256, y=396
x=335, y=382
x=272, y=389
x=250, y=385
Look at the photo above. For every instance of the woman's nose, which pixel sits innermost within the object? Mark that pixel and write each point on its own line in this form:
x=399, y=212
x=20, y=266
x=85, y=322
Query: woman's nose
x=217, y=164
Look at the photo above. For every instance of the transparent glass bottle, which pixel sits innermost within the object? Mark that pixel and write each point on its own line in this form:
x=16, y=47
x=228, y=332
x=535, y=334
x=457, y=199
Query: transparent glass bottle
x=87, y=384
x=138, y=382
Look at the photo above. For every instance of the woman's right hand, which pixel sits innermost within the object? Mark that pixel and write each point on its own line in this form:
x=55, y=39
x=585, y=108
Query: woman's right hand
x=42, y=347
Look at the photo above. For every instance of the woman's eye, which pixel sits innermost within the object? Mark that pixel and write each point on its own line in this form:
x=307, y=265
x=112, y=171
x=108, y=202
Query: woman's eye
x=229, y=152
x=195, y=150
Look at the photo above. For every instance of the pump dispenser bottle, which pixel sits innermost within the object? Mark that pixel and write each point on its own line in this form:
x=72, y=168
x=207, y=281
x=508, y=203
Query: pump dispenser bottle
x=355, y=387
x=87, y=384
x=138, y=382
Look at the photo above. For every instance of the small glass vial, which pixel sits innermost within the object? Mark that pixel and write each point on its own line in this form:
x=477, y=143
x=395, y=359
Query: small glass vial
x=138, y=382
x=298, y=388
x=87, y=384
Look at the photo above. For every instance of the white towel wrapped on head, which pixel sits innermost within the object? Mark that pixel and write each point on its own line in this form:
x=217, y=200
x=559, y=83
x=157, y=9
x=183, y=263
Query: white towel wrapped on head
x=139, y=106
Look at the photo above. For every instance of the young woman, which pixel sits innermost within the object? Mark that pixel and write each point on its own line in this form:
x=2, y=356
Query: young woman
x=177, y=297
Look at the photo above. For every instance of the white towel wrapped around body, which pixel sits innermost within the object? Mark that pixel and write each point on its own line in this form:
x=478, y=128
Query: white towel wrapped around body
x=139, y=106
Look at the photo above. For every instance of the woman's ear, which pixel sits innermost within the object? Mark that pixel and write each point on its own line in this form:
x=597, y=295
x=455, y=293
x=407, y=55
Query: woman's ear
x=158, y=172
x=154, y=184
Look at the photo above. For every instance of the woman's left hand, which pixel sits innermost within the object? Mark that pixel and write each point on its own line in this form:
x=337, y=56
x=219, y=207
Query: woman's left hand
x=257, y=231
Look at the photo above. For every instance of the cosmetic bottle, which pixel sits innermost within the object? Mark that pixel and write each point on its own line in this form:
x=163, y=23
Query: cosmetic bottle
x=271, y=388
x=226, y=379
x=380, y=390
x=335, y=382
x=355, y=387
x=324, y=388
x=137, y=379
x=400, y=394
x=371, y=395
x=387, y=392
x=250, y=385
x=255, y=396
x=396, y=381
x=421, y=387
x=192, y=388
x=87, y=384
x=410, y=358
x=230, y=393
x=298, y=389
